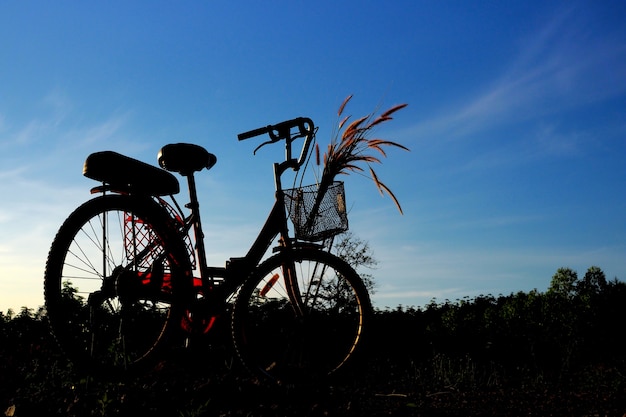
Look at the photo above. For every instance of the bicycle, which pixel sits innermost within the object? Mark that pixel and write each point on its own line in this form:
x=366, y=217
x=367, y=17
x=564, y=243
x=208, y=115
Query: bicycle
x=120, y=285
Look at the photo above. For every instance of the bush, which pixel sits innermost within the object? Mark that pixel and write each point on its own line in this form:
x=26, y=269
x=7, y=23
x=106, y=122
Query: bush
x=536, y=347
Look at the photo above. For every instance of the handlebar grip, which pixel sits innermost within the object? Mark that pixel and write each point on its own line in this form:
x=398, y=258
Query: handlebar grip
x=253, y=133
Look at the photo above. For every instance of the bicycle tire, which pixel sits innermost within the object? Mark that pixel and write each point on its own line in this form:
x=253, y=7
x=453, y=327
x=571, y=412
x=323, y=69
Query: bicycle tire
x=112, y=298
x=309, y=335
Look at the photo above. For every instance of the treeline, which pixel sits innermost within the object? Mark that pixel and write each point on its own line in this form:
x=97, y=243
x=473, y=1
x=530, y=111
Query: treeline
x=567, y=339
x=571, y=334
x=578, y=321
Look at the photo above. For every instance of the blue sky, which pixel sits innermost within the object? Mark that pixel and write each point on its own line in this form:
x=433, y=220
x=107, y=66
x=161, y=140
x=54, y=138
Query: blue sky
x=516, y=124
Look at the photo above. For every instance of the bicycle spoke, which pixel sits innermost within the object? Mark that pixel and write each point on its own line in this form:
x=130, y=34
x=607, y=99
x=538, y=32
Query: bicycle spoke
x=303, y=326
x=107, y=298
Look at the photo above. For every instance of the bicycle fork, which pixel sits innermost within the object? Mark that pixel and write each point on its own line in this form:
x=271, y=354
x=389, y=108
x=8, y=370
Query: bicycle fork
x=302, y=302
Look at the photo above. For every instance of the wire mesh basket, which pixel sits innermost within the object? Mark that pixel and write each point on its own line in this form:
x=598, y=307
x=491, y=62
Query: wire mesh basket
x=317, y=217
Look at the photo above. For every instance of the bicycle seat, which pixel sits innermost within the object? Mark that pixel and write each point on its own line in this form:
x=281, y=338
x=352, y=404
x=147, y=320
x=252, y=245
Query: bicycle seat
x=185, y=158
x=129, y=175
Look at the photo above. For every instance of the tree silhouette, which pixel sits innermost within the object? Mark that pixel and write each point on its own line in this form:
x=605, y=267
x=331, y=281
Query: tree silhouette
x=358, y=254
x=563, y=283
x=593, y=283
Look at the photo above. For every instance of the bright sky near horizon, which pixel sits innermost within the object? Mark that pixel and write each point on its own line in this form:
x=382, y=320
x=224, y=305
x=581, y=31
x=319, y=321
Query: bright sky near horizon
x=516, y=124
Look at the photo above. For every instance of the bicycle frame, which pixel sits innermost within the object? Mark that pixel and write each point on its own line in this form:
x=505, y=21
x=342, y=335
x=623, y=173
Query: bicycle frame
x=236, y=270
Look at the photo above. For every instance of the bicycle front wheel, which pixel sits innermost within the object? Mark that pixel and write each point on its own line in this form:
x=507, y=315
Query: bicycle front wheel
x=300, y=317
x=114, y=281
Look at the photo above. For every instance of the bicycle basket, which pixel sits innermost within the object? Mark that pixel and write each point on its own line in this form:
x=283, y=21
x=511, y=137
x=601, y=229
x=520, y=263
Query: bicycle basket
x=317, y=217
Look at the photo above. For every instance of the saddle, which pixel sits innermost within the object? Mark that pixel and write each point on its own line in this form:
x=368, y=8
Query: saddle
x=130, y=175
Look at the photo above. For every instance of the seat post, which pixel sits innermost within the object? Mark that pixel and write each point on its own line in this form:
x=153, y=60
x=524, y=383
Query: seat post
x=194, y=206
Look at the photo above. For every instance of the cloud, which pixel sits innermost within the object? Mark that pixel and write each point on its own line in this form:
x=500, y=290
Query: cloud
x=411, y=298
x=59, y=104
x=54, y=126
x=47, y=116
x=29, y=220
x=32, y=132
x=562, y=66
x=496, y=222
x=415, y=274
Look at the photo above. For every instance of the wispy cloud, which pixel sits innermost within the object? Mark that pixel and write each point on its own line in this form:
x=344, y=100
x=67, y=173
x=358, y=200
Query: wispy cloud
x=101, y=134
x=46, y=117
x=29, y=219
x=416, y=275
x=55, y=123
x=496, y=222
x=36, y=152
x=563, y=65
x=384, y=294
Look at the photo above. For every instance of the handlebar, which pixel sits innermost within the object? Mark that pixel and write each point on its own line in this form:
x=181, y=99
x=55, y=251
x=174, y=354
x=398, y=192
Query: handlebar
x=282, y=130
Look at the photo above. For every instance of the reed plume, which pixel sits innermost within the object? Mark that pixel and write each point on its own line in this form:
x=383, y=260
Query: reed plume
x=351, y=147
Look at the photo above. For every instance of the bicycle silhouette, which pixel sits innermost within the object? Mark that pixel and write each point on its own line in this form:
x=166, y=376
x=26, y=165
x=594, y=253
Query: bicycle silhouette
x=120, y=285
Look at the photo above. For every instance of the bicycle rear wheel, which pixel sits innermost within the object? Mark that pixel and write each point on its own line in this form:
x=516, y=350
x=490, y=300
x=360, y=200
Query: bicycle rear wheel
x=114, y=282
x=300, y=317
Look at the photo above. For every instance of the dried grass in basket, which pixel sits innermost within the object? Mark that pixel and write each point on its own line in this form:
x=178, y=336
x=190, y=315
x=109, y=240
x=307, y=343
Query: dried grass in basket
x=351, y=146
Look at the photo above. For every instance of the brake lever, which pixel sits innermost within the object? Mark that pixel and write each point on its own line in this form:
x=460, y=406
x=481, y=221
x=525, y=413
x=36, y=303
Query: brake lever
x=276, y=134
x=269, y=142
